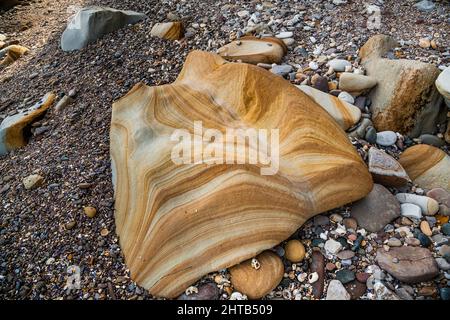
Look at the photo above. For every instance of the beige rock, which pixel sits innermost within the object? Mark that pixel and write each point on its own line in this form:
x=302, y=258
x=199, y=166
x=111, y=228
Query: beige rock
x=254, y=50
x=167, y=215
x=355, y=83
x=33, y=181
x=12, y=53
x=168, y=30
x=425, y=228
x=385, y=169
x=63, y=103
x=443, y=83
x=12, y=128
x=427, y=166
x=294, y=251
x=424, y=43
x=405, y=99
x=345, y=114
x=256, y=283
x=90, y=212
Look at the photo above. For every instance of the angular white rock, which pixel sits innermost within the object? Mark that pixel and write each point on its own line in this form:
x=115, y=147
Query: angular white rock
x=332, y=246
x=410, y=210
x=336, y=291
x=428, y=205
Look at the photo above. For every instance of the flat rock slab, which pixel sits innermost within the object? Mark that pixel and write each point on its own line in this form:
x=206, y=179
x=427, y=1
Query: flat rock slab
x=376, y=210
x=254, y=50
x=93, y=22
x=408, y=264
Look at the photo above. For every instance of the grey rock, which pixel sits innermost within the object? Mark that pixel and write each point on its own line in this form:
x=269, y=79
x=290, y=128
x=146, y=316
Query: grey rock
x=425, y=5
x=431, y=140
x=386, y=138
x=376, y=210
x=91, y=23
x=281, y=70
x=443, y=264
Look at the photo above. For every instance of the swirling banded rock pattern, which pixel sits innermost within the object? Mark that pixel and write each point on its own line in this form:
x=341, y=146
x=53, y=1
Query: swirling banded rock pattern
x=427, y=166
x=177, y=223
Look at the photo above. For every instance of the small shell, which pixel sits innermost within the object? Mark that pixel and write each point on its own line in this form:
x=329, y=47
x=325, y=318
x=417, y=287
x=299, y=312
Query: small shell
x=238, y=296
x=313, y=277
x=191, y=290
x=255, y=264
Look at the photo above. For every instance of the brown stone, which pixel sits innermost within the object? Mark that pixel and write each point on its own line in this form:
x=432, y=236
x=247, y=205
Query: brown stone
x=168, y=30
x=405, y=99
x=256, y=283
x=408, y=264
x=356, y=289
x=386, y=170
x=318, y=265
x=376, y=210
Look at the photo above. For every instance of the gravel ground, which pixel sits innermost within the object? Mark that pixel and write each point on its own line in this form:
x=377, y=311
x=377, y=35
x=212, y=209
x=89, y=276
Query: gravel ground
x=36, y=245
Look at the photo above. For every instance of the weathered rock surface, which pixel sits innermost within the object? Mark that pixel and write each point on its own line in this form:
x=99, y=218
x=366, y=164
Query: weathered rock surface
x=167, y=214
x=11, y=53
x=91, y=23
x=256, y=283
x=345, y=114
x=168, y=30
x=356, y=83
x=427, y=166
x=405, y=99
x=376, y=210
x=336, y=291
x=254, y=50
x=12, y=128
x=408, y=264
x=385, y=169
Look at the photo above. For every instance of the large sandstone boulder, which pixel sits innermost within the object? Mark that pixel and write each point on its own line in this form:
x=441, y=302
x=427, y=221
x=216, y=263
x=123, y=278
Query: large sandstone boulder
x=178, y=221
x=405, y=99
x=13, y=128
x=427, y=166
x=91, y=23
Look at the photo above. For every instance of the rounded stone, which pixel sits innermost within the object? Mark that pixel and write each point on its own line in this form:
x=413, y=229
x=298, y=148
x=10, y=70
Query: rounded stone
x=90, y=212
x=294, y=251
x=386, y=138
x=345, y=276
x=256, y=283
x=425, y=228
x=446, y=229
x=371, y=135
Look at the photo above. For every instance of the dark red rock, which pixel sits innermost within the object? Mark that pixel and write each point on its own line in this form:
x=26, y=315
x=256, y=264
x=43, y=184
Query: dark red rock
x=362, y=277
x=356, y=289
x=318, y=265
x=207, y=291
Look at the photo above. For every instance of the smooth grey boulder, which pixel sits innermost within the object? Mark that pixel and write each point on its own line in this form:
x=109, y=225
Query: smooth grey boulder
x=91, y=23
